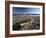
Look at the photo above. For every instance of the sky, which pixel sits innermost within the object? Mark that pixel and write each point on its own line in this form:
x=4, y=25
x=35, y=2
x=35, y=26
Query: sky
x=22, y=10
